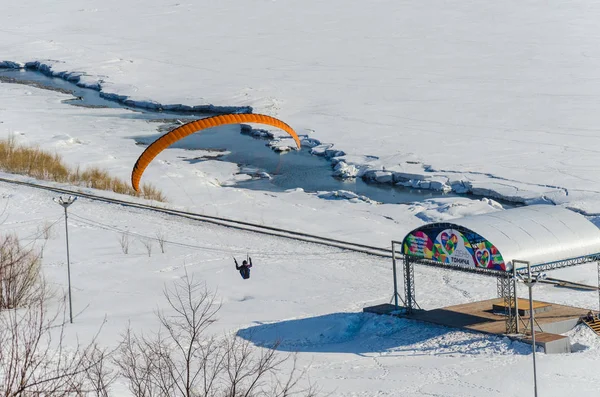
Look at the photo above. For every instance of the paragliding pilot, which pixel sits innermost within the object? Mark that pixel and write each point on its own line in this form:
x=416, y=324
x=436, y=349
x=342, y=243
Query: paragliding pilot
x=244, y=269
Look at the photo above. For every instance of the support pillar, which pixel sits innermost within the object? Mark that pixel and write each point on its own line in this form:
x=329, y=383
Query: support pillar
x=515, y=283
x=409, y=285
x=396, y=296
x=507, y=291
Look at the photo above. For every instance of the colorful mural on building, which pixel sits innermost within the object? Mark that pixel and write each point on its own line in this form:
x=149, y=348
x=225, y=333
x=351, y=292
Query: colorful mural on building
x=447, y=245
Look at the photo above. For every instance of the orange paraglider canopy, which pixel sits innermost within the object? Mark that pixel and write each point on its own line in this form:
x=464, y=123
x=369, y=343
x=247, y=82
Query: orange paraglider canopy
x=187, y=129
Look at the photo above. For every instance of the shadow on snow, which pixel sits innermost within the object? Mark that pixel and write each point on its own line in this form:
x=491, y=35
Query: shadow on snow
x=362, y=333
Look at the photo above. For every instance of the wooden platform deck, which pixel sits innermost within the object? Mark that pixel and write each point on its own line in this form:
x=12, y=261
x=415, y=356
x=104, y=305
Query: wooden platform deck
x=544, y=337
x=479, y=316
x=538, y=307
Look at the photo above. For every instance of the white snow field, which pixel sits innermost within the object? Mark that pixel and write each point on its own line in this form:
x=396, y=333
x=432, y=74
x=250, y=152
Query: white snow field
x=498, y=96
x=309, y=297
x=497, y=99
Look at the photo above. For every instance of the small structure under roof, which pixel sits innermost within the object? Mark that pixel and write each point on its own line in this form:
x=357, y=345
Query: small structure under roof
x=538, y=234
x=500, y=244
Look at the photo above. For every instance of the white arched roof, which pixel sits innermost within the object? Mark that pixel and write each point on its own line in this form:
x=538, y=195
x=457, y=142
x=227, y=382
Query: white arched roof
x=537, y=233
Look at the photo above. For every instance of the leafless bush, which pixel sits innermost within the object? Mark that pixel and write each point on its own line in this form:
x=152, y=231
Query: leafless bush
x=98, y=374
x=34, y=360
x=147, y=243
x=19, y=273
x=182, y=359
x=46, y=230
x=124, y=242
x=140, y=362
x=161, y=237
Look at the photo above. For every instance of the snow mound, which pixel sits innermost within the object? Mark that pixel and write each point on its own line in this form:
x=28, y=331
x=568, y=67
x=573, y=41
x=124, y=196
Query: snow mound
x=583, y=338
x=67, y=140
x=446, y=209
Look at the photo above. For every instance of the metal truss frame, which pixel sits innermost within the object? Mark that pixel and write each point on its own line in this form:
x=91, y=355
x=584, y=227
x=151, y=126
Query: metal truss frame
x=396, y=296
x=560, y=264
x=506, y=281
x=410, y=302
x=507, y=291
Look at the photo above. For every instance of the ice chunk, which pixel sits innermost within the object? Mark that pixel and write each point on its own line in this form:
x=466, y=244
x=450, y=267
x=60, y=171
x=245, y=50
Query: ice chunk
x=325, y=150
x=344, y=195
x=282, y=145
x=309, y=142
x=345, y=171
x=10, y=65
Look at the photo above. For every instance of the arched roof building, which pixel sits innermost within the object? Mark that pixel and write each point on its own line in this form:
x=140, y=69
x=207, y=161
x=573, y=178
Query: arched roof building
x=543, y=235
x=504, y=244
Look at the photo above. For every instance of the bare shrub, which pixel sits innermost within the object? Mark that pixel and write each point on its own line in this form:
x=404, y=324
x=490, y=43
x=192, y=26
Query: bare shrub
x=19, y=273
x=161, y=238
x=139, y=360
x=34, y=360
x=124, y=242
x=147, y=243
x=98, y=373
x=46, y=230
x=183, y=359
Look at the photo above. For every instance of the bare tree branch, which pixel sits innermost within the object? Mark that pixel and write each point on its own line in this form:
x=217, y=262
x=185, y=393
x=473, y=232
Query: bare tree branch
x=34, y=362
x=124, y=242
x=161, y=237
x=19, y=273
x=184, y=359
x=147, y=243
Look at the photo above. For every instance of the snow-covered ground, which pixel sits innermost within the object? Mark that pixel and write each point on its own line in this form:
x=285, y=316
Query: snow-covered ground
x=492, y=98
x=498, y=96
x=307, y=296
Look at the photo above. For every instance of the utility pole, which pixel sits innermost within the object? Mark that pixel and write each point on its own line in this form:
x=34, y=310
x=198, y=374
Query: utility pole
x=65, y=202
x=530, y=281
x=395, y=280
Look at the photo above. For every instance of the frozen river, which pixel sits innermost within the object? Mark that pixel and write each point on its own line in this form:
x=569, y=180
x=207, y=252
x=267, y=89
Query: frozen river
x=271, y=171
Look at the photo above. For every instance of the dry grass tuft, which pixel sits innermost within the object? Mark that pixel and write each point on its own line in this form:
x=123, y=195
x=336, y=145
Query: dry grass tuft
x=39, y=164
